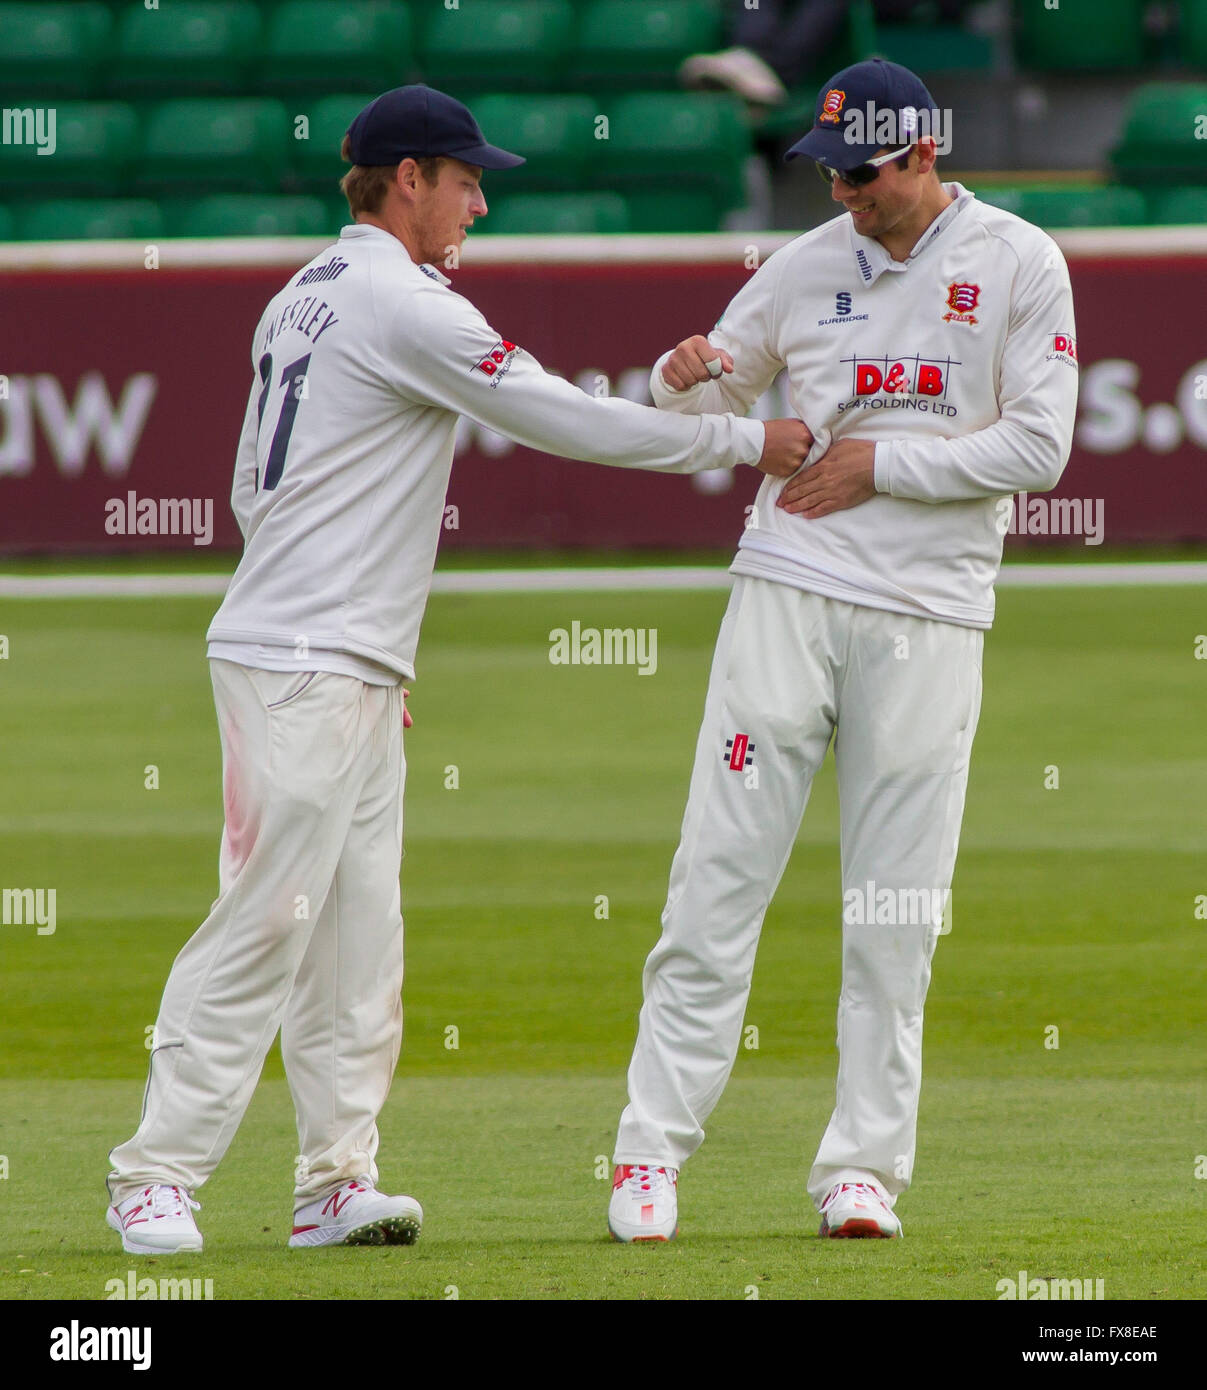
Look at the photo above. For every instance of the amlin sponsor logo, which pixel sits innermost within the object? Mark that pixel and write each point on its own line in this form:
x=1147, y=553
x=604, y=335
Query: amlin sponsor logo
x=1040, y=1289
x=869, y=906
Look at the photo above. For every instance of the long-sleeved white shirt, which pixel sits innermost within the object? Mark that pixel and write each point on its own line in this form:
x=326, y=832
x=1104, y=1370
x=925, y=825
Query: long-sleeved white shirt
x=363, y=364
x=959, y=362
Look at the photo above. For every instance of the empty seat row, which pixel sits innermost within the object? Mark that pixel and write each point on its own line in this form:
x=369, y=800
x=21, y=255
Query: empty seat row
x=540, y=214
x=695, y=142
x=86, y=48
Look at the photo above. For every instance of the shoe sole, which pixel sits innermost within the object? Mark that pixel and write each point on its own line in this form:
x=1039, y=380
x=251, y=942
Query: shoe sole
x=387, y=1230
x=641, y=1240
x=858, y=1227
x=188, y=1245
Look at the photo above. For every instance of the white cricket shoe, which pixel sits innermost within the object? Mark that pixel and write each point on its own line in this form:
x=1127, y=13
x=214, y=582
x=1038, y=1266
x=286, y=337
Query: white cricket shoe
x=357, y=1214
x=737, y=69
x=158, y=1220
x=645, y=1203
x=858, y=1209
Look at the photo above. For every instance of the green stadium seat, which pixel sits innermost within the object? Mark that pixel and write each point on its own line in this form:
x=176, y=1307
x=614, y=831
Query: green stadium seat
x=316, y=161
x=641, y=43
x=686, y=210
x=248, y=214
x=1192, y=34
x=557, y=214
x=1178, y=207
x=1055, y=206
x=555, y=134
x=338, y=215
x=319, y=44
x=53, y=50
x=524, y=43
x=79, y=219
x=1081, y=34
x=185, y=46
x=215, y=145
x=668, y=150
x=94, y=143
x=1160, y=143
x=931, y=48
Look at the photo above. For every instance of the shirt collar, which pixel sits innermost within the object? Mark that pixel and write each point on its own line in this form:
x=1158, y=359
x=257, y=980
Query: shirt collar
x=362, y=231
x=873, y=260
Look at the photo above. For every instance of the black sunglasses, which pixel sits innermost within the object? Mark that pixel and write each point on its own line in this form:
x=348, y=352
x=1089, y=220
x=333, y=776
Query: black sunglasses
x=861, y=174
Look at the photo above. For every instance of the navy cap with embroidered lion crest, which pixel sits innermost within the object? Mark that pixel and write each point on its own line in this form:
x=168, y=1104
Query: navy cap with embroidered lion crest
x=864, y=108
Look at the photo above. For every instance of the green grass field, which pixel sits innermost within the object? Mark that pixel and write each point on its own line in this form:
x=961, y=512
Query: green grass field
x=1074, y=908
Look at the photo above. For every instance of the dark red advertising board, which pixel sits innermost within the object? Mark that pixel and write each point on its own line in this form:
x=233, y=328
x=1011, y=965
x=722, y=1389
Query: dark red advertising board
x=119, y=380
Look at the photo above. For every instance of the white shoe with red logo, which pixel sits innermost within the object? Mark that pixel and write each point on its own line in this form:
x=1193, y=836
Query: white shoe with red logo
x=357, y=1214
x=157, y=1220
x=645, y=1203
x=858, y=1209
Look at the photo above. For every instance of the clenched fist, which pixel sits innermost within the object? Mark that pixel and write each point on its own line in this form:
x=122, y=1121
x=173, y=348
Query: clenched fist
x=785, y=447
x=687, y=366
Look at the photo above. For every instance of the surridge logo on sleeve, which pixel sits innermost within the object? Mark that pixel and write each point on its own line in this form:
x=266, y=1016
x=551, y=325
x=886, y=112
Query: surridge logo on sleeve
x=497, y=361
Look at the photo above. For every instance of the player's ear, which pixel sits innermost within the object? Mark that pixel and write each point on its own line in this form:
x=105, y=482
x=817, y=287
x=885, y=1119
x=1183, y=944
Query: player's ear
x=926, y=152
x=407, y=178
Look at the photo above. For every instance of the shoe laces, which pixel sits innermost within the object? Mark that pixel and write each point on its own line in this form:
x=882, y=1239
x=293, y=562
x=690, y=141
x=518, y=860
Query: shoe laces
x=170, y=1201
x=859, y=1189
x=645, y=1181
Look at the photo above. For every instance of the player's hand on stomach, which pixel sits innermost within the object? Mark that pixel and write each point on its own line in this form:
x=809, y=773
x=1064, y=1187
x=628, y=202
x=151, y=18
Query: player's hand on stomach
x=785, y=446
x=844, y=476
x=688, y=365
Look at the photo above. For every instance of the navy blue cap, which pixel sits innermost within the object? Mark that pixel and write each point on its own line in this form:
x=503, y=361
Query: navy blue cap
x=865, y=108
x=416, y=122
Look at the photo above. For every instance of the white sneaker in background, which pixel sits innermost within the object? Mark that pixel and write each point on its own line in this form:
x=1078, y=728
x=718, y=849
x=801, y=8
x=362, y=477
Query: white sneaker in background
x=737, y=69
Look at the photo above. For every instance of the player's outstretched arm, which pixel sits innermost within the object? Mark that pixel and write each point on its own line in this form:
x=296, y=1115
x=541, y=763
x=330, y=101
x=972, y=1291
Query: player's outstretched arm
x=444, y=352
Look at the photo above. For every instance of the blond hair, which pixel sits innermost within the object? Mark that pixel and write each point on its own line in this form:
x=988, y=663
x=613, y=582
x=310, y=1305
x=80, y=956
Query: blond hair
x=365, y=185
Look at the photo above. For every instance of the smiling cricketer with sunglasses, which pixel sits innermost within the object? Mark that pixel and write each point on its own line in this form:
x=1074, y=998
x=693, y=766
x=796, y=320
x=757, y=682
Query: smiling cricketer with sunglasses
x=930, y=347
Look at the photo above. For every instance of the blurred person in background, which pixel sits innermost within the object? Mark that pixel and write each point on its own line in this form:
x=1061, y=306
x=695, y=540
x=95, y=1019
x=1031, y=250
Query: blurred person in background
x=777, y=42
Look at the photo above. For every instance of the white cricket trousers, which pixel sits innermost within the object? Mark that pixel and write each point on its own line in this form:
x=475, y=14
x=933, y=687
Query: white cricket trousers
x=305, y=937
x=901, y=696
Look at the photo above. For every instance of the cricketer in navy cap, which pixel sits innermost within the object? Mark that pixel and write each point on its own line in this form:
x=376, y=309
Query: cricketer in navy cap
x=417, y=122
x=867, y=107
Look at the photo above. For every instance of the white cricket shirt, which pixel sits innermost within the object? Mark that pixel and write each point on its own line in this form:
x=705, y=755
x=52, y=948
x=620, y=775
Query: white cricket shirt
x=363, y=364
x=959, y=362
